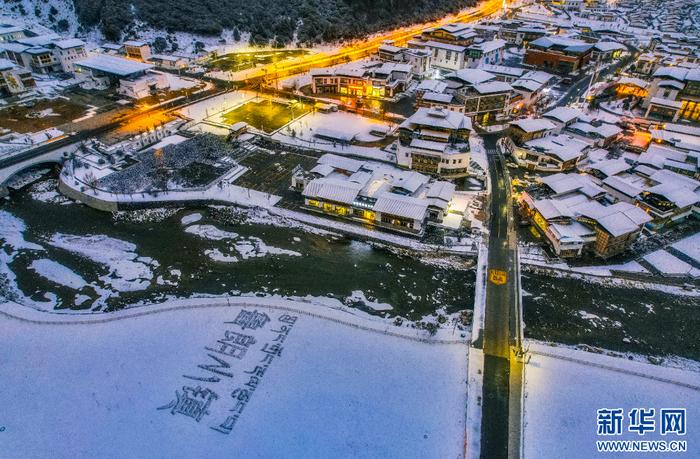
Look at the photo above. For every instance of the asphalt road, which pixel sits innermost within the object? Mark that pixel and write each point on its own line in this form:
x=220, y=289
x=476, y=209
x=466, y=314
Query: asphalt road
x=498, y=440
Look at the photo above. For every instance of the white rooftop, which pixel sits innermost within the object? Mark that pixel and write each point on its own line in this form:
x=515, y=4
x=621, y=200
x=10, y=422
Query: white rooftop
x=113, y=65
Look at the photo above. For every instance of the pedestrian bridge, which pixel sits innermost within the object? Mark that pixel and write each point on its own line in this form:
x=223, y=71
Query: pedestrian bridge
x=12, y=165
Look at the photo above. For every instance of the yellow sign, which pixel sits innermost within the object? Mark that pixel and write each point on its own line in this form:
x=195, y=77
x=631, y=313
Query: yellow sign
x=498, y=277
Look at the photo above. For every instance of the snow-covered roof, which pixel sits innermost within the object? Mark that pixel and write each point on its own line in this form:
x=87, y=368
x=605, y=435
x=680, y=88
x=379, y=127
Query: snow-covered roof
x=472, y=76
x=690, y=247
x=334, y=134
x=678, y=73
x=341, y=162
x=604, y=130
x=565, y=43
x=533, y=124
x=671, y=84
x=410, y=181
x=623, y=186
x=436, y=117
x=429, y=145
x=660, y=101
x=681, y=197
x=441, y=190
x=607, y=46
x=136, y=43
x=438, y=97
x=633, y=82
x=611, y=167
x=113, y=65
x=563, y=147
x=527, y=85
x=336, y=190
x=6, y=64
x=563, y=183
x=489, y=46
x=14, y=47
x=666, y=263
x=69, y=43
x=445, y=46
x=503, y=70
x=401, y=206
x=432, y=86
x=563, y=114
x=492, y=87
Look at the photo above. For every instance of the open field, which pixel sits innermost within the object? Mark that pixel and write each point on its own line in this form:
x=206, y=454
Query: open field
x=266, y=115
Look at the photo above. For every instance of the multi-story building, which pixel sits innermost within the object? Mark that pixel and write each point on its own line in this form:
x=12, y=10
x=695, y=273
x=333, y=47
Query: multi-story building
x=674, y=93
x=484, y=97
x=14, y=79
x=558, y=54
x=45, y=54
x=69, y=51
x=139, y=50
x=419, y=59
x=378, y=80
x=571, y=211
x=520, y=34
x=549, y=153
x=485, y=53
x=436, y=142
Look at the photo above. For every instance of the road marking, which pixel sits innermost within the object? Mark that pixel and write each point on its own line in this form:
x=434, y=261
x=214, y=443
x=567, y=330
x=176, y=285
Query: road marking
x=498, y=277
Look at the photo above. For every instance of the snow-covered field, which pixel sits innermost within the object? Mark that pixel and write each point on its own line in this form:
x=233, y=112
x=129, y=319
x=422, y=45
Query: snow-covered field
x=302, y=132
x=563, y=394
x=92, y=387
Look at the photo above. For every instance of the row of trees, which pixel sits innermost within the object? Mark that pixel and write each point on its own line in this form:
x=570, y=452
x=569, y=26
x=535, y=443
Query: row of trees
x=268, y=21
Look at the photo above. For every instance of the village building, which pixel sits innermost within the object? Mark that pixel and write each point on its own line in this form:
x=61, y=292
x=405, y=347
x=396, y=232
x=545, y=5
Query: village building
x=14, y=79
x=132, y=79
x=44, y=53
x=548, y=153
x=138, y=50
x=674, y=93
x=376, y=80
x=558, y=54
x=485, y=98
x=420, y=60
x=375, y=194
x=572, y=214
x=436, y=142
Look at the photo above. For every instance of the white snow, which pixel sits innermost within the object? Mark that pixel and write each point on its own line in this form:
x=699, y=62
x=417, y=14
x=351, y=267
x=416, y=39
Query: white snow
x=667, y=264
x=335, y=390
x=564, y=388
x=690, y=247
x=210, y=232
x=349, y=124
x=11, y=232
x=218, y=255
x=254, y=247
x=191, y=218
x=358, y=296
x=127, y=271
x=47, y=191
x=57, y=273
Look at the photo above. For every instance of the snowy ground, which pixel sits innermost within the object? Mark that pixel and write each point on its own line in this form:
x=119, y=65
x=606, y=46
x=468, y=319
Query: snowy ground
x=92, y=387
x=560, y=405
x=199, y=111
x=302, y=132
